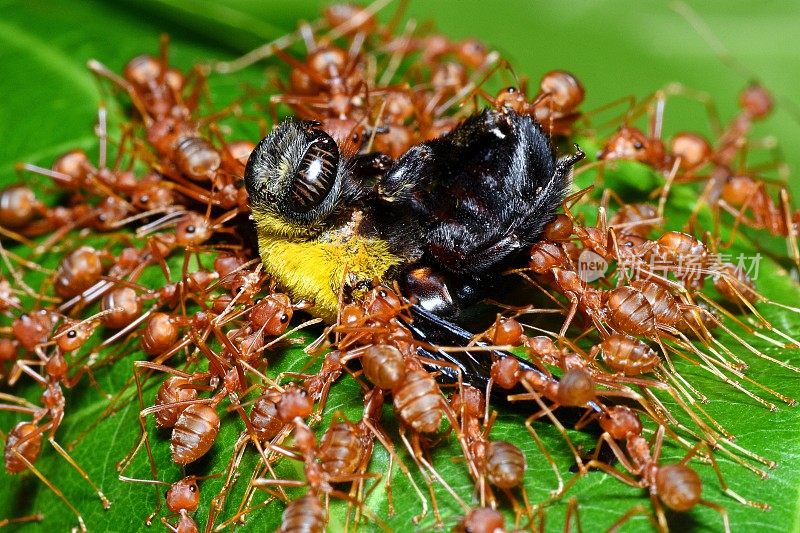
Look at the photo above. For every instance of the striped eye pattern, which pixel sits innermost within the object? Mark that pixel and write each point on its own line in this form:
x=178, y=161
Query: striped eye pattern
x=316, y=173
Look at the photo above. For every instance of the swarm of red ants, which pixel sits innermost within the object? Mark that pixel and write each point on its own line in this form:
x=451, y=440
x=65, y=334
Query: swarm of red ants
x=165, y=202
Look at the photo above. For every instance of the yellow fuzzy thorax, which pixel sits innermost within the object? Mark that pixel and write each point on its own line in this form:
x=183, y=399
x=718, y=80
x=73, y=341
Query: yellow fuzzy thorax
x=314, y=269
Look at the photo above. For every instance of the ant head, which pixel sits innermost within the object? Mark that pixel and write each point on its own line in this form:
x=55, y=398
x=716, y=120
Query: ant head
x=511, y=98
x=295, y=403
x=482, y=520
x=470, y=399
x=273, y=313
x=193, y=229
x=628, y=143
x=756, y=101
x=183, y=495
x=619, y=421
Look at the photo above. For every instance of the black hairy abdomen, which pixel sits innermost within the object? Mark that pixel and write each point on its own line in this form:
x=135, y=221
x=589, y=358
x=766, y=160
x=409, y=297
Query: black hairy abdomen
x=470, y=200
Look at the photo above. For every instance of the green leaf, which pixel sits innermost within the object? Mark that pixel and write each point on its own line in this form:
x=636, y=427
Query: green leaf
x=50, y=105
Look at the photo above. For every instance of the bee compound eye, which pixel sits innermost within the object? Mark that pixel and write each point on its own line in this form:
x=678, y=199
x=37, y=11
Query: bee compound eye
x=316, y=173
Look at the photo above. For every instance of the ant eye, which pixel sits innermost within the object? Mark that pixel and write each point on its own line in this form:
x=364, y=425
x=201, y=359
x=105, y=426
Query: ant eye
x=638, y=145
x=193, y=487
x=355, y=137
x=284, y=318
x=382, y=293
x=190, y=228
x=316, y=173
x=144, y=198
x=72, y=334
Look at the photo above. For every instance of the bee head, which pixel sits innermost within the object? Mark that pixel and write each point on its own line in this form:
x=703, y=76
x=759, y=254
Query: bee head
x=294, y=178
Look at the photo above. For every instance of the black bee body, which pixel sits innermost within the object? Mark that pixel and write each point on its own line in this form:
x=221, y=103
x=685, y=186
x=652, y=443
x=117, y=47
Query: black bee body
x=465, y=204
x=444, y=219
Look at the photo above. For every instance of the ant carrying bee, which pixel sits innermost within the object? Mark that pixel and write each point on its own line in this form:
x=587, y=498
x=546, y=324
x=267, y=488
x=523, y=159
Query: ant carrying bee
x=443, y=219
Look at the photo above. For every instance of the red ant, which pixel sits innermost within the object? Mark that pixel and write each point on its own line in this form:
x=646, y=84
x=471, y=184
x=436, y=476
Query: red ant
x=676, y=486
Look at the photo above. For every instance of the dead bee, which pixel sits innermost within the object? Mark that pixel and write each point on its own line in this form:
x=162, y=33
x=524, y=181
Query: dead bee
x=443, y=219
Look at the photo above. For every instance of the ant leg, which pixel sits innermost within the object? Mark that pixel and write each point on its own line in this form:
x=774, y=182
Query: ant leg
x=660, y=516
x=387, y=444
x=573, y=298
x=421, y=457
x=547, y=457
x=662, y=200
x=38, y=517
x=723, y=485
x=791, y=229
x=143, y=439
x=218, y=501
x=722, y=512
x=633, y=511
x=426, y=477
x=548, y=412
x=572, y=509
x=52, y=487
x=81, y=472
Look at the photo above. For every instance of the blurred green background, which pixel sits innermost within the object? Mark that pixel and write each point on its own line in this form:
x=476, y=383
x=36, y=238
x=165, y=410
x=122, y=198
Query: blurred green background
x=616, y=48
x=48, y=104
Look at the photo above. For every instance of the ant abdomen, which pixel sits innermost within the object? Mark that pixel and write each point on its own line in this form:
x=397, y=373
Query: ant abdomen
x=31, y=329
x=174, y=389
x=734, y=284
x=505, y=464
x=159, y=334
x=123, y=306
x=196, y=158
x=303, y=515
x=78, y=271
x=418, y=401
x=665, y=307
x=18, y=206
x=576, y=388
x=26, y=440
x=194, y=433
x=564, y=89
x=384, y=365
x=506, y=331
x=340, y=449
x=692, y=149
x=678, y=246
x=264, y=417
x=678, y=486
x=628, y=355
x=629, y=311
